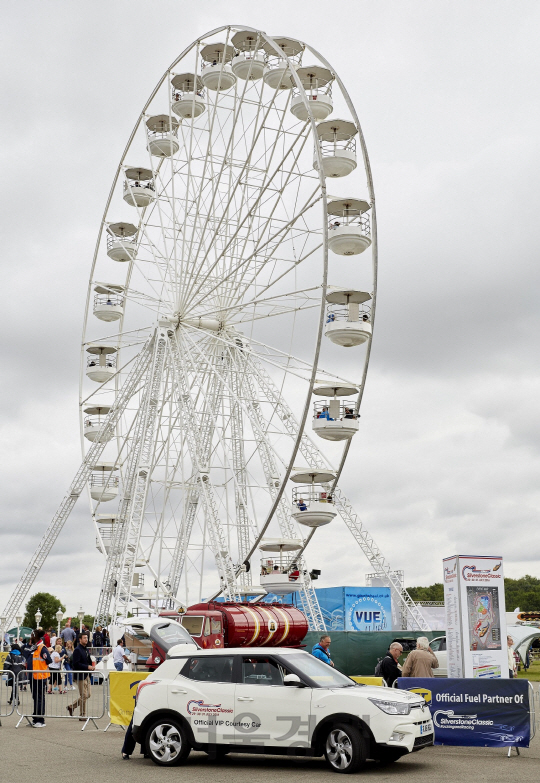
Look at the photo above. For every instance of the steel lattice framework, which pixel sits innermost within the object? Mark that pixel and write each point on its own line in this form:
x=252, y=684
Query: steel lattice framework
x=209, y=282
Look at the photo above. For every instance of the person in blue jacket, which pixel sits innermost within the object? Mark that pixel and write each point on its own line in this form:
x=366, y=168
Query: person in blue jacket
x=322, y=650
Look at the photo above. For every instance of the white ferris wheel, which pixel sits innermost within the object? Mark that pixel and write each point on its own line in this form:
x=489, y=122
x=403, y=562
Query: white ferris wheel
x=235, y=263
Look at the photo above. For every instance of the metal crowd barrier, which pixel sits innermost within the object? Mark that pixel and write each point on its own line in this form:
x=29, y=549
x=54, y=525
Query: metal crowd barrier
x=6, y=693
x=86, y=701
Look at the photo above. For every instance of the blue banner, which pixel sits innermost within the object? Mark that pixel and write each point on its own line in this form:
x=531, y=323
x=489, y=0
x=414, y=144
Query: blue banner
x=484, y=713
x=356, y=608
x=368, y=609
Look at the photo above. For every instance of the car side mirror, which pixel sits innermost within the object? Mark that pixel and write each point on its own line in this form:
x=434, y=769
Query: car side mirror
x=293, y=681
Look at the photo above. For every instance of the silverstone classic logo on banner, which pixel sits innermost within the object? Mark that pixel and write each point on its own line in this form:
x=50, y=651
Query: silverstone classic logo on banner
x=476, y=712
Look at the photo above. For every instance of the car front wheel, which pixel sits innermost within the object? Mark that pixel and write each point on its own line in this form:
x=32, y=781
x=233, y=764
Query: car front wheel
x=166, y=743
x=345, y=749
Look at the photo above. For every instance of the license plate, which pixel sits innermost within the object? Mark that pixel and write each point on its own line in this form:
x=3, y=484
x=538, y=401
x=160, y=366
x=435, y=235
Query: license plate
x=426, y=728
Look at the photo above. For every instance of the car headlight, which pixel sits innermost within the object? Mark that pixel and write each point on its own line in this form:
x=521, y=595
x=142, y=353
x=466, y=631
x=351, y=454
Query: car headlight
x=392, y=707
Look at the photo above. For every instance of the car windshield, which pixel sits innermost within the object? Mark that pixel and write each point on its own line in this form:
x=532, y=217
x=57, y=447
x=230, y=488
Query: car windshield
x=317, y=671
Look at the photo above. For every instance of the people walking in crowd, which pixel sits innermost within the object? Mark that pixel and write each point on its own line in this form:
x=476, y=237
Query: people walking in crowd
x=422, y=661
x=322, y=650
x=82, y=665
x=14, y=664
x=389, y=667
x=118, y=656
x=40, y=661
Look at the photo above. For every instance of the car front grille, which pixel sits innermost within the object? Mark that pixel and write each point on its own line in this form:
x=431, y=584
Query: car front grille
x=421, y=742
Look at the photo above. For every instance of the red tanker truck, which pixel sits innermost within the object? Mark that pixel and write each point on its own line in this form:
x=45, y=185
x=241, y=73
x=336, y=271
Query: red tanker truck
x=227, y=624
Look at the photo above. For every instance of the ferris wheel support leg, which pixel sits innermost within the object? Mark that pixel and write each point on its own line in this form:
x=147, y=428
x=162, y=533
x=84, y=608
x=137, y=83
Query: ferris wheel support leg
x=81, y=477
x=217, y=538
x=206, y=430
x=182, y=542
x=308, y=597
x=315, y=459
x=245, y=526
x=120, y=565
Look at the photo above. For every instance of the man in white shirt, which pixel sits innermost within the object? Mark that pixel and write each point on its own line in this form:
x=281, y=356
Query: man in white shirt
x=119, y=657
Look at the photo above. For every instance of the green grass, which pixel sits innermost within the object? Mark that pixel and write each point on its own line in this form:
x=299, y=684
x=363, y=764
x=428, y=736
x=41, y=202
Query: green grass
x=533, y=673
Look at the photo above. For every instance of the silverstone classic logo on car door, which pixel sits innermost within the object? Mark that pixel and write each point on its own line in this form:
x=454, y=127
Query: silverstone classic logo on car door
x=198, y=707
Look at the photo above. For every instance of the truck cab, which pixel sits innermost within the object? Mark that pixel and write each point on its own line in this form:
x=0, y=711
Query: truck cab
x=204, y=626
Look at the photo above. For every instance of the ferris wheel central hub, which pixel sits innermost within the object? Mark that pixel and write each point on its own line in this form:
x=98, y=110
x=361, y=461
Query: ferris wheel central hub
x=201, y=322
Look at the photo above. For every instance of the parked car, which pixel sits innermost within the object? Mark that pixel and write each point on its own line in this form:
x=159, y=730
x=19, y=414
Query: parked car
x=279, y=701
x=438, y=645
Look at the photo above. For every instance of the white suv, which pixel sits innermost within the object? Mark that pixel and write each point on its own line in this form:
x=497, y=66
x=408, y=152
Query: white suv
x=283, y=701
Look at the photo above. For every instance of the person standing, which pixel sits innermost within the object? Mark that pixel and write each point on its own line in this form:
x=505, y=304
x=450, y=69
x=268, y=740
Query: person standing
x=119, y=657
x=82, y=664
x=422, y=661
x=46, y=638
x=15, y=664
x=68, y=634
x=390, y=668
x=40, y=660
x=27, y=647
x=322, y=650
x=68, y=660
x=57, y=655
x=97, y=642
x=512, y=668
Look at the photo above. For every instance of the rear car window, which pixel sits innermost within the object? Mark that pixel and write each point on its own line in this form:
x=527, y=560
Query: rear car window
x=217, y=668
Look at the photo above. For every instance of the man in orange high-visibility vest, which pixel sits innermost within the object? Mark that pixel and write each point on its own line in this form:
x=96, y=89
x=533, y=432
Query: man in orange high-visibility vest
x=39, y=662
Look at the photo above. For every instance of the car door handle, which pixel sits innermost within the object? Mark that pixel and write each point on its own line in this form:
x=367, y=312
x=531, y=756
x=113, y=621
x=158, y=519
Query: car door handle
x=244, y=698
x=177, y=690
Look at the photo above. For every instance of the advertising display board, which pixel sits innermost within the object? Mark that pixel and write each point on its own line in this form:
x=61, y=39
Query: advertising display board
x=475, y=617
x=356, y=608
x=122, y=690
x=485, y=713
x=368, y=609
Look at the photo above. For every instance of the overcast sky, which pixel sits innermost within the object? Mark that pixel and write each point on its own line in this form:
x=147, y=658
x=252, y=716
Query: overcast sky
x=447, y=459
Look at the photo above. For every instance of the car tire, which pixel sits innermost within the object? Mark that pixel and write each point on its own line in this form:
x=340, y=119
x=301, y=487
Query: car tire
x=345, y=749
x=166, y=743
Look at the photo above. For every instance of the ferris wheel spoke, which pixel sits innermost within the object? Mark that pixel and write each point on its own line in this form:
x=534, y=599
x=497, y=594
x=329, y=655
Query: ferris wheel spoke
x=208, y=162
x=262, y=191
x=274, y=238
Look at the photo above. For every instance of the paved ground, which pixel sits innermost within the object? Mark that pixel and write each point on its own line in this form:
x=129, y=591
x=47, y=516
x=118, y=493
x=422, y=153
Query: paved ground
x=28, y=754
